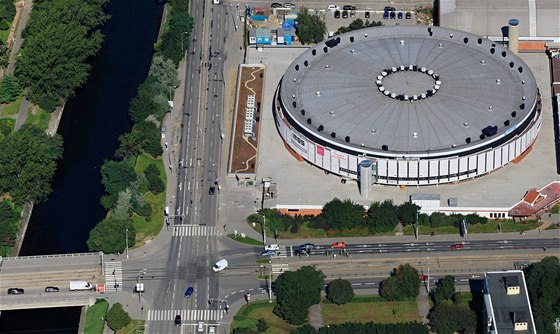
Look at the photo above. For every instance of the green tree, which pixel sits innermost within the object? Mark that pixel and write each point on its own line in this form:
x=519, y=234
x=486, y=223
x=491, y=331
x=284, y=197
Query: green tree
x=115, y=177
x=4, y=55
x=165, y=71
x=407, y=213
x=117, y=318
x=109, y=235
x=173, y=39
x=296, y=291
x=9, y=224
x=7, y=10
x=9, y=89
x=543, y=280
x=382, y=217
x=130, y=145
x=155, y=184
x=340, y=291
x=444, y=290
x=311, y=28
x=339, y=214
x=358, y=24
x=305, y=329
x=150, y=137
x=244, y=330
x=404, y=283
x=28, y=158
x=448, y=318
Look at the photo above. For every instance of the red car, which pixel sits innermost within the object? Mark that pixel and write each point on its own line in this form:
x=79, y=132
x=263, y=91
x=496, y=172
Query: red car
x=457, y=246
x=339, y=244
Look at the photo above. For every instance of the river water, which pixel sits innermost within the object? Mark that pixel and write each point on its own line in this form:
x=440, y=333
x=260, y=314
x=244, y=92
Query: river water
x=90, y=126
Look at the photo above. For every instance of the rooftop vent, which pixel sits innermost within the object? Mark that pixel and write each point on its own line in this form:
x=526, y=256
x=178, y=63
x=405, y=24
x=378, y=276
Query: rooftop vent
x=468, y=140
x=320, y=128
x=309, y=121
x=305, y=63
x=506, y=123
x=440, y=45
x=351, y=39
x=450, y=35
x=331, y=112
x=402, y=42
x=365, y=35
x=415, y=135
x=385, y=148
x=347, y=139
x=483, y=62
x=513, y=113
x=303, y=112
x=466, y=125
x=362, y=145
x=373, y=131
x=498, y=82
x=327, y=66
x=333, y=134
x=318, y=93
x=479, y=41
x=352, y=51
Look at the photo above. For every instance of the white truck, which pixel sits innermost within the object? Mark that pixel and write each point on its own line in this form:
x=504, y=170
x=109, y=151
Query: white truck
x=80, y=286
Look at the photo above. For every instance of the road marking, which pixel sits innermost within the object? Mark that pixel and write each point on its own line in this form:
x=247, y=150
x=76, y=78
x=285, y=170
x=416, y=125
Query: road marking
x=113, y=276
x=186, y=315
x=195, y=230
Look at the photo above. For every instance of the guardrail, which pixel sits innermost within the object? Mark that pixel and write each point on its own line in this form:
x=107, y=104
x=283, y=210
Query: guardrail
x=45, y=303
x=433, y=272
x=49, y=256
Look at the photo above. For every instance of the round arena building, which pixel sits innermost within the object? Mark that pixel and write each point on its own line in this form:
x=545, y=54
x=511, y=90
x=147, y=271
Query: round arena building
x=423, y=105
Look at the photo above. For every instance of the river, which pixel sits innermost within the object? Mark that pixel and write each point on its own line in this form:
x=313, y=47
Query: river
x=90, y=125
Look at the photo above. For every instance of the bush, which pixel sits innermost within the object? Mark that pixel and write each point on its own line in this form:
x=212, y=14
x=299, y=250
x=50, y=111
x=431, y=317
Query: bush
x=143, y=210
x=47, y=104
x=4, y=25
x=262, y=325
x=117, y=318
x=155, y=184
x=9, y=89
x=340, y=291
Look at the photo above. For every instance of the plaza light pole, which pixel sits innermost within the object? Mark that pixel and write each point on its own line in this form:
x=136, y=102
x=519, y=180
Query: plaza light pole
x=263, y=226
x=417, y=230
x=126, y=239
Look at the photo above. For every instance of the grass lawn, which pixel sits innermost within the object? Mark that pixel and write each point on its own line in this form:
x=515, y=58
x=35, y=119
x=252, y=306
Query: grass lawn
x=12, y=108
x=490, y=227
x=245, y=240
x=38, y=117
x=4, y=34
x=376, y=310
x=249, y=314
x=465, y=298
x=95, y=316
x=135, y=327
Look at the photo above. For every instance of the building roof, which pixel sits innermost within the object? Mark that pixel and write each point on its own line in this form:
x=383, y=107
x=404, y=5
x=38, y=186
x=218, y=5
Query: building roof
x=550, y=194
x=479, y=87
x=507, y=308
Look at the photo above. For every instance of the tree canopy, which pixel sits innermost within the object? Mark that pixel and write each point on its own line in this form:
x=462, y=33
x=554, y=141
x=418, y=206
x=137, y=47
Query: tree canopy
x=116, y=176
x=311, y=28
x=28, y=158
x=109, y=236
x=9, y=224
x=340, y=291
x=448, y=318
x=179, y=23
x=358, y=24
x=382, y=217
x=117, y=318
x=339, y=214
x=296, y=291
x=444, y=290
x=404, y=283
x=543, y=280
x=372, y=328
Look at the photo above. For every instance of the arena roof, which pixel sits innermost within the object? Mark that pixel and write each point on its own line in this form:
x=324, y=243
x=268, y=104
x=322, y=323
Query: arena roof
x=335, y=94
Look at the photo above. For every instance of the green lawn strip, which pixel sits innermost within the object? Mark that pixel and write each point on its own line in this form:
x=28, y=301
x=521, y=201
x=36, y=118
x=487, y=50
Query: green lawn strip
x=510, y=226
x=12, y=108
x=249, y=314
x=245, y=240
x=95, y=317
x=38, y=117
x=4, y=34
x=490, y=227
x=379, y=311
x=135, y=327
x=552, y=227
x=465, y=298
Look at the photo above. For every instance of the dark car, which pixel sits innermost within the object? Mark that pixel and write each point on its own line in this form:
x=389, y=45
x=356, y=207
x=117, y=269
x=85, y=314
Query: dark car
x=367, y=15
x=276, y=5
x=301, y=251
x=178, y=320
x=51, y=289
x=15, y=291
x=349, y=7
x=408, y=15
x=189, y=292
x=392, y=15
x=400, y=15
x=308, y=246
x=344, y=14
x=211, y=191
x=386, y=15
x=336, y=14
x=389, y=9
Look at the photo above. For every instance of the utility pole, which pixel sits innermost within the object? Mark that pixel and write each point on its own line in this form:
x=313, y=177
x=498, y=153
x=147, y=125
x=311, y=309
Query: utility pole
x=126, y=237
x=417, y=230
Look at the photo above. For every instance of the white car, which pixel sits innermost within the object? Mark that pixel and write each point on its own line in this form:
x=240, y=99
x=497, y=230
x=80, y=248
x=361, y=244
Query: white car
x=220, y=265
x=289, y=5
x=333, y=8
x=212, y=330
x=273, y=247
x=200, y=327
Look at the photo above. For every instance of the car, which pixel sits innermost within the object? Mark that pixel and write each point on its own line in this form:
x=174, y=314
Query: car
x=163, y=132
x=400, y=15
x=220, y=265
x=211, y=191
x=15, y=291
x=308, y=246
x=392, y=15
x=408, y=15
x=212, y=330
x=367, y=15
x=386, y=15
x=333, y=7
x=336, y=14
x=301, y=251
x=273, y=247
x=178, y=320
x=200, y=327
x=189, y=292
x=276, y=5
x=51, y=289
x=268, y=253
x=349, y=7
x=457, y=246
x=338, y=244
x=289, y=5
x=389, y=9
x=344, y=14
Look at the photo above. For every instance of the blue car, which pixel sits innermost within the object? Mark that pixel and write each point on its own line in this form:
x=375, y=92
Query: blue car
x=189, y=292
x=386, y=15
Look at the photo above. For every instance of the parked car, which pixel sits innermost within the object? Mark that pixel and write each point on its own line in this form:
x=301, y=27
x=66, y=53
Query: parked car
x=52, y=289
x=400, y=15
x=386, y=15
x=333, y=7
x=389, y=9
x=273, y=247
x=336, y=14
x=178, y=320
x=268, y=253
x=276, y=5
x=349, y=7
x=212, y=190
x=392, y=15
x=200, y=327
x=457, y=246
x=408, y=15
x=338, y=244
x=344, y=14
x=289, y=5
x=189, y=292
x=15, y=291
x=212, y=330
x=367, y=15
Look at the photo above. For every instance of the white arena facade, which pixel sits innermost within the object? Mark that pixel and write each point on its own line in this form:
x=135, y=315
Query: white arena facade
x=425, y=105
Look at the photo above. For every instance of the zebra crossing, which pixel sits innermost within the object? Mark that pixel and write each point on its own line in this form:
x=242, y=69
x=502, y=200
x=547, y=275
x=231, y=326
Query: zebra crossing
x=188, y=315
x=280, y=268
x=113, y=276
x=195, y=230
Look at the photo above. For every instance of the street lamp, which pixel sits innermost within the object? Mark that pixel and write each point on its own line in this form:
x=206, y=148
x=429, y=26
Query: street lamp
x=126, y=239
x=263, y=226
x=182, y=48
x=417, y=230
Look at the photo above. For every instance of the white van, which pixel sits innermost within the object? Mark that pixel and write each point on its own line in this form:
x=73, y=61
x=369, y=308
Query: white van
x=167, y=211
x=220, y=265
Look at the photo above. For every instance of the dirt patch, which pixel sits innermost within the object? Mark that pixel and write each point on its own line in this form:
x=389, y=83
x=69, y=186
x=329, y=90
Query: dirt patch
x=243, y=155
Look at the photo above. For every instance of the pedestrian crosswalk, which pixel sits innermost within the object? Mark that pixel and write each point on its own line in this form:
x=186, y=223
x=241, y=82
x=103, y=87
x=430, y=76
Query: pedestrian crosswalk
x=195, y=230
x=186, y=315
x=113, y=276
x=280, y=268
